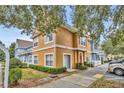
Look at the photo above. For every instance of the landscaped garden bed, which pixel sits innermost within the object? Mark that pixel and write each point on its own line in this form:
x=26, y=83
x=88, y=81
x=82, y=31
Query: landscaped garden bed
x=33, y=78
x=25, y=76
x=103, y=83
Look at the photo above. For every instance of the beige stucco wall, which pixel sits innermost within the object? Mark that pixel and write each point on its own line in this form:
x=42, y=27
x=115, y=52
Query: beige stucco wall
x=59, y=56
x=41, y=56
x=64, y=37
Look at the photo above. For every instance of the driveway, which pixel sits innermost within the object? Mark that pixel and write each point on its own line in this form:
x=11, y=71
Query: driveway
x=111, y=76
x=82, y=79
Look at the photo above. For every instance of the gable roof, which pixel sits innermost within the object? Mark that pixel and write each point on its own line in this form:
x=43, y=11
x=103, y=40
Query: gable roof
x=23, y=43
x=68, y=27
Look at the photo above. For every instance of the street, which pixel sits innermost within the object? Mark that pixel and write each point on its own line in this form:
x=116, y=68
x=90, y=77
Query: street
x=82, y=79
x=111, y=76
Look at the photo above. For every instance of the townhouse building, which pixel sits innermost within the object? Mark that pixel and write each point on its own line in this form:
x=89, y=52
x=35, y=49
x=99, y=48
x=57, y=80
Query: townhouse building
x=23, y=51
x=64, y=48
x=96, y=55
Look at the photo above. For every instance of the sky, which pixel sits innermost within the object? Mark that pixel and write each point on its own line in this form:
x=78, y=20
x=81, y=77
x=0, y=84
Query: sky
x=8, y=36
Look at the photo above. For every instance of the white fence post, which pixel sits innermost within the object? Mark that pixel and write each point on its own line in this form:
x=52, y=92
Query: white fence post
x=6, y=73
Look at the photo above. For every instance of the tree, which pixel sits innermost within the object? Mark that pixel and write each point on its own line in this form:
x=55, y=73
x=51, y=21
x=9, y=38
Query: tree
x=29, y=18
x=108, y=47
x=94, y=20
x=91, y=19
x=2, y=55
x=12, y=50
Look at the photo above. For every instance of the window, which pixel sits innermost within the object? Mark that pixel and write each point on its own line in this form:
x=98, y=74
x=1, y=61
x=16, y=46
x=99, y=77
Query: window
x=48, y=38
x=30, y=58
x=83, y=41
x=49, y=60
x=35, y=42
x=35, y=60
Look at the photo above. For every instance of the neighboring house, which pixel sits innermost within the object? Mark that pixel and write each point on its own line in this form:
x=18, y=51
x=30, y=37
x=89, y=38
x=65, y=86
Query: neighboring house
x=102, y=56
x=64, y=48
x=23, y=51
x=95, y=55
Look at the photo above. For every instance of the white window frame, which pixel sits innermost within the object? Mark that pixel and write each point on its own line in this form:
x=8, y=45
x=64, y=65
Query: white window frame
x=45, y=59
x=29, y=58
x=70, y=59
x=34, y=57
x=81, y=40
x=35, y=40
x=46, y=42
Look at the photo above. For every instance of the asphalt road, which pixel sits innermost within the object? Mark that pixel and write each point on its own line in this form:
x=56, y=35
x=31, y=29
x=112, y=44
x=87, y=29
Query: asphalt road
x=112, y=76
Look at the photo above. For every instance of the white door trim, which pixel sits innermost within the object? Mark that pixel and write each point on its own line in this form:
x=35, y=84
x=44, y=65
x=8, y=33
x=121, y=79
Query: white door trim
x=45, y=59
x=70, y=59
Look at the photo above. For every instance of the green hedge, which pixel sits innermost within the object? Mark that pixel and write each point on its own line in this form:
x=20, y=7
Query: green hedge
x=81, y=66
x=24, y=65
x=48, y=69
x=78, y=65
x=88, y=64
x=16, y=63
x=14, y=75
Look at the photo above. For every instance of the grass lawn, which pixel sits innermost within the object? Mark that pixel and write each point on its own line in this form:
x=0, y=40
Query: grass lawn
x=28, y=73
x=103, y=83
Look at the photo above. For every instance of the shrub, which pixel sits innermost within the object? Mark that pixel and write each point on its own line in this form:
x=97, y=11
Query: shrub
x=83, y=67
x=24, y=65
x=88, y=64
x=14, y=75
x=48, y=69
x=78, y=65
x=56, y=70
x=105, y=61
x=14, y=62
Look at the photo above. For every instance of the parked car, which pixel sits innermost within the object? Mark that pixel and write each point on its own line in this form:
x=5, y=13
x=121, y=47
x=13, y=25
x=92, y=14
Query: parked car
x=117, y=67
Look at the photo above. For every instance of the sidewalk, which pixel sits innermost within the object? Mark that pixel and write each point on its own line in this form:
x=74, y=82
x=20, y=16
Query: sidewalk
x=82, y=79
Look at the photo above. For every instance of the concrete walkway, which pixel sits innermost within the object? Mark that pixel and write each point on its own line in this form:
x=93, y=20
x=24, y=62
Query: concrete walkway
x=82, y=79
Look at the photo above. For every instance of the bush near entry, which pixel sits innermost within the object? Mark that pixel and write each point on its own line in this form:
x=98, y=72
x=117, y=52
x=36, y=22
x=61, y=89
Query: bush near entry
x=14, y=75
x=24, y=65
x=81, y=66
x=48, y=69
x=14, y=63
x=88, y=64
x=15, y=72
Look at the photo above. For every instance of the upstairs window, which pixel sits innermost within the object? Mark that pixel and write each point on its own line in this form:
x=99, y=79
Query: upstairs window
x=83, y=41
x=35, y=42
x=48, y=38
